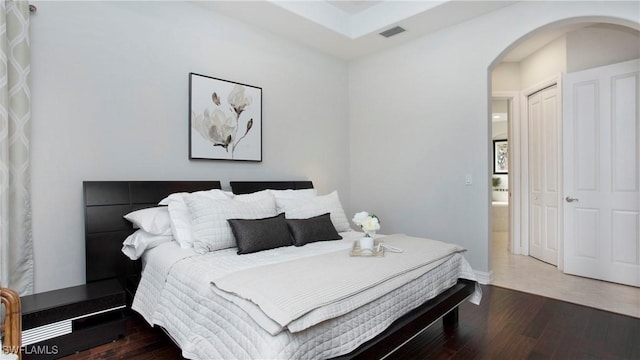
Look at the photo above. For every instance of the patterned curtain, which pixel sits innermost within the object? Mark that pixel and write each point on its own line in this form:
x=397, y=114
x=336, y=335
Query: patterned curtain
x=16, y=246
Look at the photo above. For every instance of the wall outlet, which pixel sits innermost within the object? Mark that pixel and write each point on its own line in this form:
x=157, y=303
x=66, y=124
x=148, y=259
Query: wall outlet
x=468, y=180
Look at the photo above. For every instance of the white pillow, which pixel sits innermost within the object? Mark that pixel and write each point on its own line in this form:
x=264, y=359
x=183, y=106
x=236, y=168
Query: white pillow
x=306, y=208
x=256, y=196
x=294, y=194
x=211, y=230
x=140, y=241
x=153, y=220
x=179, y=214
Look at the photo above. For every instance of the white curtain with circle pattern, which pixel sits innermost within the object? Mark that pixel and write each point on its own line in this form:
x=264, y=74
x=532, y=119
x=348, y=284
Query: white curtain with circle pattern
x=16, y=245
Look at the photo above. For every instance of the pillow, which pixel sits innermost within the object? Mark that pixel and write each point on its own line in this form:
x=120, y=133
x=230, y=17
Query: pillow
x=256, y=196
x=260, y=234
x=213, y=194
x=211, y=231
x=306, y=208
x=140, y=241
x=317, y=228
x=179, y=214
x=153, y=220
x=293, y=194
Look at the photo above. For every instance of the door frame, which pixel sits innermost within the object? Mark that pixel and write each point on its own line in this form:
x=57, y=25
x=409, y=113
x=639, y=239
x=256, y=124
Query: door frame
x=522, y=137
x=513, y=128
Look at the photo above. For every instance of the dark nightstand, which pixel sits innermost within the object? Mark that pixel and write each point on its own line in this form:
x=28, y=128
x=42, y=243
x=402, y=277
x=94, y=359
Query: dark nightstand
x=62, y=322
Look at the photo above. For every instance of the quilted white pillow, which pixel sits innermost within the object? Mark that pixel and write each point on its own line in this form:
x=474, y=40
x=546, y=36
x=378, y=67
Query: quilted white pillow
x=140, y=241
x=306, y=208
x=256, y=196
x=294, y=194
x=153, y=220
x=180, y=217
x=211, y=230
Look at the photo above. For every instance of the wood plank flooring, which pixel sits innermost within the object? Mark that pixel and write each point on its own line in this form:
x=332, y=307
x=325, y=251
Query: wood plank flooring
x=507, y=325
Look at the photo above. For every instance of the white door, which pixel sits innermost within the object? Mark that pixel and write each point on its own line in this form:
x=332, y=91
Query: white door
x=601, y=173
x=544, y=197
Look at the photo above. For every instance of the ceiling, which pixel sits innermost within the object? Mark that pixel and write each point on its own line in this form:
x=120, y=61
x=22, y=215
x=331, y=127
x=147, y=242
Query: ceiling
x=350, y=29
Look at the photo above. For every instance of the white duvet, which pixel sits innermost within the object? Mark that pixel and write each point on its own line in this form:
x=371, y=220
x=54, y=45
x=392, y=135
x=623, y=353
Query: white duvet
x=175, y=292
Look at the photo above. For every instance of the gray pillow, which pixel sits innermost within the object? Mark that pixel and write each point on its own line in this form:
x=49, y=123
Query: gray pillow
x=260, y=234
x=317, y=228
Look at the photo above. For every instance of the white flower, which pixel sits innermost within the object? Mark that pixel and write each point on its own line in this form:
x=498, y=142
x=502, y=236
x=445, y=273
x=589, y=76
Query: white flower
x=216, y=127
x=371, y=223
x=238, y=100
x=359, y=217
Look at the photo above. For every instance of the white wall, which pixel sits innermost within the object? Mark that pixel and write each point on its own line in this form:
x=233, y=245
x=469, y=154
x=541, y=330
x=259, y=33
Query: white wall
x=506, y=77
x=600, y=45
x=419, y=123
x=545, y=63
x=500, y=131
x=589, y=47
x=110, y=102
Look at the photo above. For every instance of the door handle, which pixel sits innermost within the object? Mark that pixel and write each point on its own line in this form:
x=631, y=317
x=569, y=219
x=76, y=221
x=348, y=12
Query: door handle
x=571, y=199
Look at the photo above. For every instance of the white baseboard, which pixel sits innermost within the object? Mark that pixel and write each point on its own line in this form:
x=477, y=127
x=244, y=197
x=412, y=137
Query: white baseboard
x=484, y=277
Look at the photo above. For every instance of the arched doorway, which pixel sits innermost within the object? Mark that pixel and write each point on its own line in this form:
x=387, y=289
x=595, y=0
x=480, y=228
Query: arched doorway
x=567, y=33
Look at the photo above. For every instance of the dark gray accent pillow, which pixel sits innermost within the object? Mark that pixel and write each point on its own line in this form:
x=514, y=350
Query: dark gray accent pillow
x=317, y=228
x=260, y=234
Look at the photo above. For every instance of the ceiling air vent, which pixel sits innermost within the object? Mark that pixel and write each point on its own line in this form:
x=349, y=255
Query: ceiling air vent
x=393, y=31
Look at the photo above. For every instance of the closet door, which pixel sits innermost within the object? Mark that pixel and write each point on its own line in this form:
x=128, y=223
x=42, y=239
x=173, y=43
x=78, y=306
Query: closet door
x=544, y=164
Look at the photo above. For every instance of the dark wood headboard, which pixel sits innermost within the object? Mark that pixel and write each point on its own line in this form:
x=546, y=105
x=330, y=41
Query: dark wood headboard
x=246, y=187
x=105, y=204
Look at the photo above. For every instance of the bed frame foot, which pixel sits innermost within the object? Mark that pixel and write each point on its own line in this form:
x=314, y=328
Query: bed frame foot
x=450, y=318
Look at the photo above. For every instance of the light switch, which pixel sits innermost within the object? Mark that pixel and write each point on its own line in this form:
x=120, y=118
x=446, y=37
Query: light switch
x=468, y=180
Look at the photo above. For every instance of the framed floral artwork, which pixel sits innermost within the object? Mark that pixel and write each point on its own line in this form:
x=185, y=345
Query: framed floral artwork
x=225, y=119
x=500, y=157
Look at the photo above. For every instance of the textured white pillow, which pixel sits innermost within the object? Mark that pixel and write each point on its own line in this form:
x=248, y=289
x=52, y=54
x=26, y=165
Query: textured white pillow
x=256, y=196
x=140, y=241
x=306, y=208
x=180, y=217
x=294, y=194
x=211, y=230
x=153, y=220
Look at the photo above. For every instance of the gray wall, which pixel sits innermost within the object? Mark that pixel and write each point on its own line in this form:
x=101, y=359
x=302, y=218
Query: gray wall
x=110, y=102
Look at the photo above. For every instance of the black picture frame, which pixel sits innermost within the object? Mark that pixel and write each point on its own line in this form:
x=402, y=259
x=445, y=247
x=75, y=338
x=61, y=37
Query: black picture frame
x=500, y=156
x=225, y=119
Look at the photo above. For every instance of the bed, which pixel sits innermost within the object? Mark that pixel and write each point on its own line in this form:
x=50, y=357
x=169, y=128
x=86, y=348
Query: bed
x=175, y=293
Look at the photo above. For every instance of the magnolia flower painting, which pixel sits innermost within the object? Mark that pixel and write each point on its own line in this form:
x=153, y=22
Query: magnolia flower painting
x=225, y=120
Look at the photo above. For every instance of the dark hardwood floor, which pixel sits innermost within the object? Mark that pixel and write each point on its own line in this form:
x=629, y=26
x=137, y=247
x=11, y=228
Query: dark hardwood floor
x=507, y=325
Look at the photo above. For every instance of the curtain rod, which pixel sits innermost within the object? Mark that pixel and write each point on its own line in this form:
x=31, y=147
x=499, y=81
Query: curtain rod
x=32, y=8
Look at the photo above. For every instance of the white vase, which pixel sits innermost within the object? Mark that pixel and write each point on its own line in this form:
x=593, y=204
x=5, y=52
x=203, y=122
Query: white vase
x=366, y=243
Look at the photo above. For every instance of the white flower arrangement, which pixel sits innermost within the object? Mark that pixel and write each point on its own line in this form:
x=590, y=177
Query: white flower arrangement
x=369, y=223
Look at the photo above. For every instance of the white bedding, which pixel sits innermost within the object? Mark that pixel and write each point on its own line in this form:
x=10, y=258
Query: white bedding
x=175, y=293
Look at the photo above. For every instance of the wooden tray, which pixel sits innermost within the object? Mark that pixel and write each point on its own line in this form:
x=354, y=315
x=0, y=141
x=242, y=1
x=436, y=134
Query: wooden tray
x=356, y=251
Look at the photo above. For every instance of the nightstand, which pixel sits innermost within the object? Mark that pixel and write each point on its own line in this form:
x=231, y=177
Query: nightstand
x=61, y=322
